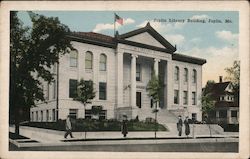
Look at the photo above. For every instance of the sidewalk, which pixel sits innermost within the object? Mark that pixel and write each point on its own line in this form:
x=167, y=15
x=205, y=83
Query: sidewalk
x=53, y=137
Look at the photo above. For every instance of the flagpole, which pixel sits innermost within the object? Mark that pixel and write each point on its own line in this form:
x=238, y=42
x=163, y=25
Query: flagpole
x=114, y=24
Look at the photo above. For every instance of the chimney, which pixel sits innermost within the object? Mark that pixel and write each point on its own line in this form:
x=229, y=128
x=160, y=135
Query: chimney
x=220, y=79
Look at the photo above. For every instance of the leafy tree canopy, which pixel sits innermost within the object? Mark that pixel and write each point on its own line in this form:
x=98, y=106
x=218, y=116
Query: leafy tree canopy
x=207, y=100
x=85, y=91
x=33, y=50
x=234, y=74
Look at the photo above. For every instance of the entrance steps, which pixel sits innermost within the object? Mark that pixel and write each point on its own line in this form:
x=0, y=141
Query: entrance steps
x=169, y=119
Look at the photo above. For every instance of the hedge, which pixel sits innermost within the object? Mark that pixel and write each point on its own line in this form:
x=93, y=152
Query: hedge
x=80, y=125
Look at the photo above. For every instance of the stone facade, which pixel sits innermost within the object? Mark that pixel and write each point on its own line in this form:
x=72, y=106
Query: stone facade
x=130, y=60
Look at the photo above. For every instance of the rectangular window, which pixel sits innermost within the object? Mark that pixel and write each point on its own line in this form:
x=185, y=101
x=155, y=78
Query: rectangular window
x=194, y=76
x=53, y=114
x=233, y=113
x=176, y=73
x=32, y=116
x=193, y=98
x=47, y=115
x=151, y=103
x=102, y=91
x=41, y=115
x=222, y=113
x=176, y=96
x=88, y=60
x=103, y=114
x=138, y=99
x=73, y=58
x=73, y=113
x=138, y=72
x=36, y=115
x=72, y=88
x=194, y=116
x=185, y=97
x=87, y=114
x=47, y=96
x=54, y=89
x=185, y=75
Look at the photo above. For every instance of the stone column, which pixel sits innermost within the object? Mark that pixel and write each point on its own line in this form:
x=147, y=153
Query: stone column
x=156, y=66
x=156, y=69
x=119, y=71
x=170, y=84
x=133, y=81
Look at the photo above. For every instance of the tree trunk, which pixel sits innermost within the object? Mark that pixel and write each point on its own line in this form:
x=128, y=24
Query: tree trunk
x=17, y=122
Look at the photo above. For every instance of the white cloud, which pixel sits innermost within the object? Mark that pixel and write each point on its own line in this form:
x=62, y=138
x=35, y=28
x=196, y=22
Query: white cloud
x=175, y=39
x=203, y=16
x=226, y=35
x=128, y=21
x=102, y=26
x=109, y=26
x=167, y=27
x=217, y=60
x=195, y=40
x=161, y=26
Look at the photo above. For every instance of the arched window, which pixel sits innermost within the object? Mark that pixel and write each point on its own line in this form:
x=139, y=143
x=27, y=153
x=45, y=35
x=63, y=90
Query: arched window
x=73, y=58
x=103, y=62
x=88, y=60
x=185, y=75
x=194, y=76
x=176, y=73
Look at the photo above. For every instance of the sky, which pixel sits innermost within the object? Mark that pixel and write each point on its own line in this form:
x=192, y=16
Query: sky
x=195, y=33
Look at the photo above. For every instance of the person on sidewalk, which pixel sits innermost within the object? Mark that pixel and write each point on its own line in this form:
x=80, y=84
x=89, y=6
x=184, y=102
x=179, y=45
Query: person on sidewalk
x=124, y=126
x=68, y=128
x=179, y=126
x=187, y=128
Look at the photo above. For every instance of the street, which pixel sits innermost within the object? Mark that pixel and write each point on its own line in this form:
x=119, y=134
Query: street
x=161, y=147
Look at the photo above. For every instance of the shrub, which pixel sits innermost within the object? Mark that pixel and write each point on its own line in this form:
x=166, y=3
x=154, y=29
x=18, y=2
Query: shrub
x=80, y=125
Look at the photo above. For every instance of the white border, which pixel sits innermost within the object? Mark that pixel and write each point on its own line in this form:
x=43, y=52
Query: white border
x=241, y=6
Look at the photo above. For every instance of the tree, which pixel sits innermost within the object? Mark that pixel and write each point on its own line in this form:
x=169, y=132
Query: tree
x=208, y=103
x=33, y=50
x=154, y=87
x=85, y=92
x=234, y=76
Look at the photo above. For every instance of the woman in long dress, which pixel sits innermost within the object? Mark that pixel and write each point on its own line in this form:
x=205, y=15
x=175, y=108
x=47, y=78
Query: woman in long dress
x=187, y=128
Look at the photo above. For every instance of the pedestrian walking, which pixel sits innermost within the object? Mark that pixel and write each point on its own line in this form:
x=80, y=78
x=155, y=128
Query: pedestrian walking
x=125, y=126
x=187, y=128
x=68, y=127
x=179, y=126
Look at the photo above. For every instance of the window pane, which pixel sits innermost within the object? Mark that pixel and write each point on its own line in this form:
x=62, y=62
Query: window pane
x=185, y=75
x=73, y=58
x=185, y=98
x=47, y=115
x=193, y=98
x=103, y=62
x=138, y=72
x=102, y=91
x=223, y=113
x=138, y=99
x=194, y=76
x=41, y=115
x=53, y=114
x=234, y=113
x=73, y=113
x=88, y=60
x=176, y=73
x=72, y=88
x=176, y=96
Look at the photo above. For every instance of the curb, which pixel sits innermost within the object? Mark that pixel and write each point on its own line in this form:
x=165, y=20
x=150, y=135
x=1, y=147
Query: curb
x=123, y=142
